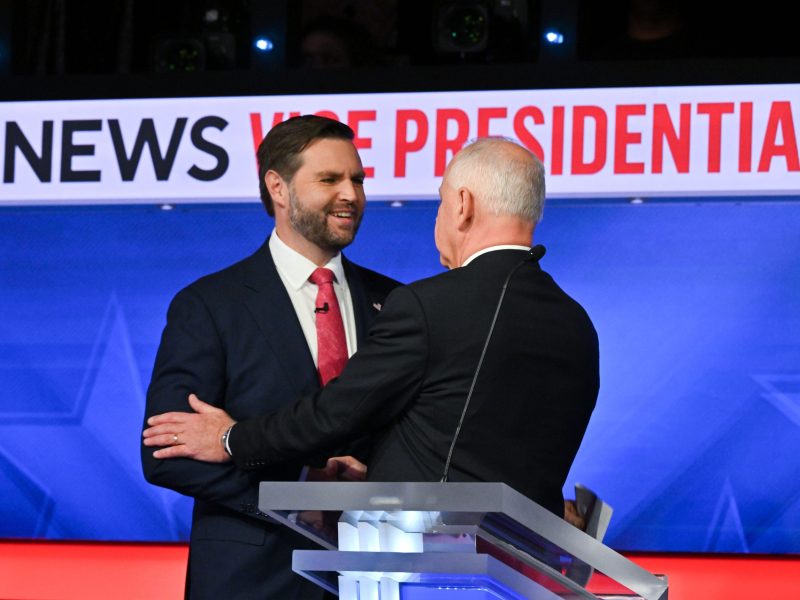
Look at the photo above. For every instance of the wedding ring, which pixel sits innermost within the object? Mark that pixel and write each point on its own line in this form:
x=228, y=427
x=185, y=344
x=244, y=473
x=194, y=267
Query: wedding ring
x=175, y=438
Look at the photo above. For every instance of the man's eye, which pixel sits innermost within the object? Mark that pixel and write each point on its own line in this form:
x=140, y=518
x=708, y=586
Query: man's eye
x=328, y=180
x=358, y=180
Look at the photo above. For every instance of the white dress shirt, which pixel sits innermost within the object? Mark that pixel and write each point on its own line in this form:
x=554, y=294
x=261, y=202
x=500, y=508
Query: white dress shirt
x=492, y=249
x=294, y=270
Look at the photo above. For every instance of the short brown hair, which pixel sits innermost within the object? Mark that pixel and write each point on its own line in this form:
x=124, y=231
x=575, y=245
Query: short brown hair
x=281, y=148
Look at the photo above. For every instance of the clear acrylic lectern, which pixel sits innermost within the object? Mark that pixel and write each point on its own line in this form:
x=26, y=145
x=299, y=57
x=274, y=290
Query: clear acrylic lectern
x=431, y=541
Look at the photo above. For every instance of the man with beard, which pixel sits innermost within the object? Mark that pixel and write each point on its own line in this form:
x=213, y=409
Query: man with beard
x=257, y=334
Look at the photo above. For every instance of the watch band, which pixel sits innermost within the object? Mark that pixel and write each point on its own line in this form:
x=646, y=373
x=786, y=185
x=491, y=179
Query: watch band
x=225, y=440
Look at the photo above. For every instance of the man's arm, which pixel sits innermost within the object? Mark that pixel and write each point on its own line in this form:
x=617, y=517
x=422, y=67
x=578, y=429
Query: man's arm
x=191, y=358
x=378, y=383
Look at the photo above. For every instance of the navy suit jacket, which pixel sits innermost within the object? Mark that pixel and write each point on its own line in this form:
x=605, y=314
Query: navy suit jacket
x=234, y=339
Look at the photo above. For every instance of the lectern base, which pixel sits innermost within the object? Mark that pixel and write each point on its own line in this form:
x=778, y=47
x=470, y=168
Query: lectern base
x=416, y=576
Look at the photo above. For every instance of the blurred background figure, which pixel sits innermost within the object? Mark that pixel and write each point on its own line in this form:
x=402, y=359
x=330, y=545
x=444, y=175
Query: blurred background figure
x=678, y=29
x=640, y=29
x=332, y=42
x=656, y=26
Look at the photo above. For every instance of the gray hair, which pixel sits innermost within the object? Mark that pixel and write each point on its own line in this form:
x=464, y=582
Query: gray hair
x=504, y=184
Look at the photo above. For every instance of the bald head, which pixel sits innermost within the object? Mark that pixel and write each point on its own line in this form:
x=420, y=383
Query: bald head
x=505, y=177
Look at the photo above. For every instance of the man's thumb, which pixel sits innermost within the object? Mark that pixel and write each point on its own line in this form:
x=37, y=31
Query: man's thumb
x=198, y=405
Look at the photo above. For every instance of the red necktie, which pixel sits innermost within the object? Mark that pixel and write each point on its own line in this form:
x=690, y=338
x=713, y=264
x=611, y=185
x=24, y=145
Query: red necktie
x=331, y=341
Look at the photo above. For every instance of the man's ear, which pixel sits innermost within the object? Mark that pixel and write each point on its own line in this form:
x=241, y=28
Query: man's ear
x=277, y=188
x=465, y=210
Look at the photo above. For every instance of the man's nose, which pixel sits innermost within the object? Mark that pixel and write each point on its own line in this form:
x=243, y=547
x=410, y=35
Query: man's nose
x=348, y=190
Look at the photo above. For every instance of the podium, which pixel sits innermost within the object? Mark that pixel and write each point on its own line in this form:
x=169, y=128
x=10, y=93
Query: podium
x=432, y=541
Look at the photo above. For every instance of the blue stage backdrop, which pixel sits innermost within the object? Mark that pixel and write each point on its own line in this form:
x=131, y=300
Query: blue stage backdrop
x=695, y=440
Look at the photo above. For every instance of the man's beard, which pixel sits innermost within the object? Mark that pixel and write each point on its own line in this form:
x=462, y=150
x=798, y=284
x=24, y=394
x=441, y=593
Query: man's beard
x=313, y=225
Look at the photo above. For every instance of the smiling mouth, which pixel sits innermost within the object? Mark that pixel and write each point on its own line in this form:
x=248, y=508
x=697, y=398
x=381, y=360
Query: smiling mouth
x=345, y=216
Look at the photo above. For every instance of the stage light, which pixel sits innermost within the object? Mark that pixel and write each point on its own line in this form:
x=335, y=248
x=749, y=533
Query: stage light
x=462, y=26
x=264, y=44
x=553, y=36
x=181, y=54
x=637, y=200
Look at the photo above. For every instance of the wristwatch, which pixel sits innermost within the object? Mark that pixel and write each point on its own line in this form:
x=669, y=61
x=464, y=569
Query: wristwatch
x=224, y=440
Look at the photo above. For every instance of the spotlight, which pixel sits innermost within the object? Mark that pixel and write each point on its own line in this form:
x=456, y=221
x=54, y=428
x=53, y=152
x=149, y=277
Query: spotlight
x=637, y=200
x=264, y=44
x=553, y=36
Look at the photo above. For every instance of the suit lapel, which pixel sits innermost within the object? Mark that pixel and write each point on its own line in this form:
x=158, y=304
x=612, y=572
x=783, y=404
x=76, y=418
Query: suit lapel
x=363, y=308
x=272, y=309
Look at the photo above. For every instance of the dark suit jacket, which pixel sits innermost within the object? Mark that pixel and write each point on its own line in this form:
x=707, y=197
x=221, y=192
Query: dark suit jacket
x=233, y=338
x=409, y=381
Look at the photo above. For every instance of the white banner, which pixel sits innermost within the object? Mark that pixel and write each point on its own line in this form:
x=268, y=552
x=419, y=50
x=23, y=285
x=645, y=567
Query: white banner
x=610, y=142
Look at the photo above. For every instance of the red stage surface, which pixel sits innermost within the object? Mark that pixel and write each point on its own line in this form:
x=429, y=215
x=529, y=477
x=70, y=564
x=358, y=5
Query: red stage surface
x=87, y=571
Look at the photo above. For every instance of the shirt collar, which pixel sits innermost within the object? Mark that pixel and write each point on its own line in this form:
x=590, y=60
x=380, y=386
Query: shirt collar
x=492, y=249
x=296, y=268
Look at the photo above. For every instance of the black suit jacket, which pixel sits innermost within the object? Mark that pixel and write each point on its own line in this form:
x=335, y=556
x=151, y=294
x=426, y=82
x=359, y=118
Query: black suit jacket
x=409, y=381
x=233, y=338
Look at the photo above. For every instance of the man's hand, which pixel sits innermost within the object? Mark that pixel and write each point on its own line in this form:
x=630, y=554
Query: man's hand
x=572, y=516
x=339, y=468
x=191, y=435
x=324, y=522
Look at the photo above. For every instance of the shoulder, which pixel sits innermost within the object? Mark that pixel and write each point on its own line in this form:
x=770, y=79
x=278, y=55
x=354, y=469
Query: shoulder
x=441, y=282
x=546, y=281
x=216, y=282
x=376, y=283
x=228, y=281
